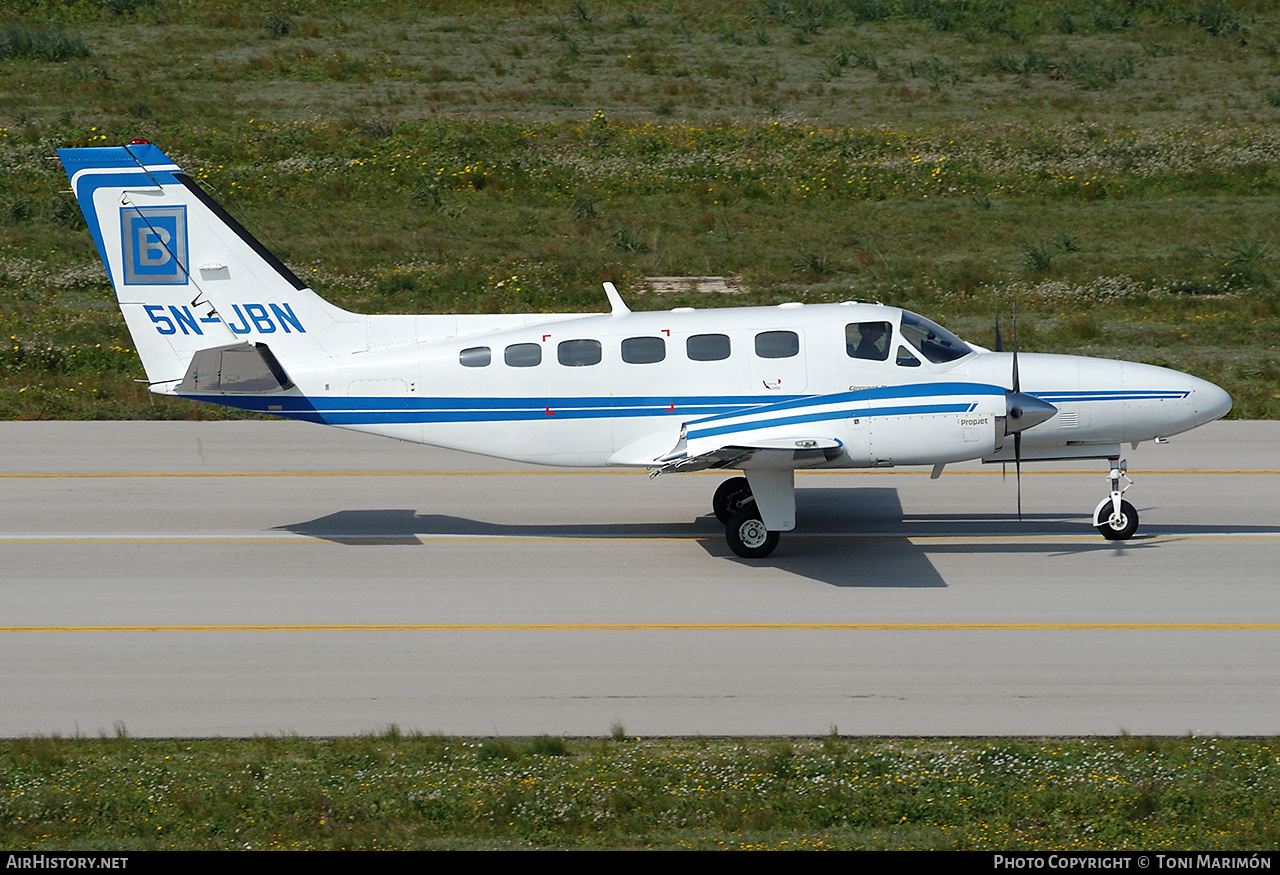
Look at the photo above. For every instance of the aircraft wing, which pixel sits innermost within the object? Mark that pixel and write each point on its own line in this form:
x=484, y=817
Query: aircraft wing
x=920, y=423
x=798, y=451
x=786, y=434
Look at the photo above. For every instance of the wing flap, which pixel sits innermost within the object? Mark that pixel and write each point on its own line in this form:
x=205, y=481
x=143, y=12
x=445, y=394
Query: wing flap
x=792, y=452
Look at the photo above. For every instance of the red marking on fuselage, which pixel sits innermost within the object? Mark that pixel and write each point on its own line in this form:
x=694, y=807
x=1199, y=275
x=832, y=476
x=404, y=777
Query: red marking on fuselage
x=550, y=412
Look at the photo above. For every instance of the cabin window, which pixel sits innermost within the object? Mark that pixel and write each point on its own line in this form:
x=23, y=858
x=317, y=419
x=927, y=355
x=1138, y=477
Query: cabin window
x=867, y=340
x=643, y=350
x=777, y=344
x=707, y=347
x=476, y=357
x=578, y=353
x=523, y=355
x=905, y=359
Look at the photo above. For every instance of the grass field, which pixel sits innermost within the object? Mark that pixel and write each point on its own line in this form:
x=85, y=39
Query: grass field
x=395, y=791
x=1109, y=166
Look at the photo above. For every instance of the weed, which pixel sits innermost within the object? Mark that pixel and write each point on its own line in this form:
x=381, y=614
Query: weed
x=40, y=44
x=1216, y=17
x=1247, y=251
x=582, y=12
x=1092, y=72
x=812, y=263
x=277, y=25
x=426, y=194
x=18, y=211
x=627, y=239
x=121, y=8
x=1038, y=257
x=549, y=746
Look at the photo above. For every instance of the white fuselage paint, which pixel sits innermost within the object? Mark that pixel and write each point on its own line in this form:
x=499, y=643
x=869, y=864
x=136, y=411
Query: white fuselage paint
x=556, y=414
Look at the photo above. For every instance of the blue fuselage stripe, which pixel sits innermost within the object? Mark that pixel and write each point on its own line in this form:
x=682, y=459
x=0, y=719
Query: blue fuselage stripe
x=828, y=415
x=369, y=411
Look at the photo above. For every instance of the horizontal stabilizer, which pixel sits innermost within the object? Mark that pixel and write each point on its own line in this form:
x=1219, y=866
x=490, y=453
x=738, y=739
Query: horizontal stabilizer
x=236, y=369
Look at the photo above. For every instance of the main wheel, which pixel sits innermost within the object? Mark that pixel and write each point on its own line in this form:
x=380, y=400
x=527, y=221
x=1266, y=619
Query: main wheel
x=1123, y=527
x=730, y=495
x=747, y=535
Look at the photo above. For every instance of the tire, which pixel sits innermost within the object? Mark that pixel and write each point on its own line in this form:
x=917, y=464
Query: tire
x=730, y=495
x=1124, y=528
x=747, y=535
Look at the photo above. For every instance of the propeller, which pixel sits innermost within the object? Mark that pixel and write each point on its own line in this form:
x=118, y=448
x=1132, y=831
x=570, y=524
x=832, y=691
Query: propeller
x=999, y=339
x=1015, y=413
x=1022, y=411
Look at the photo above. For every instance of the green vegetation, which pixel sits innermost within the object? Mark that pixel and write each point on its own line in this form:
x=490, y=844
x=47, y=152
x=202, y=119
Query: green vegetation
x=1111, y=165
x=400, y=791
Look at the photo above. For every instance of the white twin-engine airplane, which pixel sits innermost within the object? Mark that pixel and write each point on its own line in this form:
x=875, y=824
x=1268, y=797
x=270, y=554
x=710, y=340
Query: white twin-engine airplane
x=765, y=390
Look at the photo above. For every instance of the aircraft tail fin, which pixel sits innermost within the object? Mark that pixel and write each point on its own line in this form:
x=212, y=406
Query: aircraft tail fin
x=189, y=277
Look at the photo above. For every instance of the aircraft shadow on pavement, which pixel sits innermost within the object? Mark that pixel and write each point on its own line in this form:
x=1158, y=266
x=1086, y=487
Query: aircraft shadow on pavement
x=844, y=537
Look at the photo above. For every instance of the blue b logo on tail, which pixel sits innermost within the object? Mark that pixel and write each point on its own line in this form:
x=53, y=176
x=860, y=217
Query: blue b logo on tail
x=155, y=245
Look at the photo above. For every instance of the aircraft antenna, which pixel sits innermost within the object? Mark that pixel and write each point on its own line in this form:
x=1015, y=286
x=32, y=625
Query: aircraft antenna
x=616, y=304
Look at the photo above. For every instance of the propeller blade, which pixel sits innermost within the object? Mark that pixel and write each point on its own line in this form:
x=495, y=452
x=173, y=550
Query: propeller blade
x=1017, y=461
x=1017, y=383
x=999, y=338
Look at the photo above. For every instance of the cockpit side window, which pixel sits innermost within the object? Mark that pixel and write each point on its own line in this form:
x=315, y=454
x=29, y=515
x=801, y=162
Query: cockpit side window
x=936, y=343
x=867, y=340
x=905, y=359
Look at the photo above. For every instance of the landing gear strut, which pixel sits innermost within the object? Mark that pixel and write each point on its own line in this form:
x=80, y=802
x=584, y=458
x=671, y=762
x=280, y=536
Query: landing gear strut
x=1114, y=518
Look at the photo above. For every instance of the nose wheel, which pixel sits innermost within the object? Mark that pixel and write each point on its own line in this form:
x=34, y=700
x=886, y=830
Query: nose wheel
x=1114, y=518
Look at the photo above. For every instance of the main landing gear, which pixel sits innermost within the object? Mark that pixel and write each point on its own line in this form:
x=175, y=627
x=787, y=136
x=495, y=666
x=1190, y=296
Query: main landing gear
x=730, y=497
x=1114, y=518
x=735, y=506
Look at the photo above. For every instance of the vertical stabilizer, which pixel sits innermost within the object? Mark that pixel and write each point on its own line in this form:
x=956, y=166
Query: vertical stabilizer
x=189, y=276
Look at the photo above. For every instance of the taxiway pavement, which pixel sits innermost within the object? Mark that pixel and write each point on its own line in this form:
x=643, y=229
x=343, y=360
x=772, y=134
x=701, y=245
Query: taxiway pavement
x=202, y=579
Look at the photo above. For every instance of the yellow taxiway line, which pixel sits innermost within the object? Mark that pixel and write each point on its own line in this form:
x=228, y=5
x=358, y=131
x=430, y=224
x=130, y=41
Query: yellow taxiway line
x=93, y=475
x=666, y=627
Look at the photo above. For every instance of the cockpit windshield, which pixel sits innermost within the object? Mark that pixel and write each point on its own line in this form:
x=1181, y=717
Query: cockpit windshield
x=936, y=343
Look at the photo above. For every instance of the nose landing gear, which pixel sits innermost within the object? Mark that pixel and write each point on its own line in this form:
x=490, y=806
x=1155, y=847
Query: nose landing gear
x=1114, y=518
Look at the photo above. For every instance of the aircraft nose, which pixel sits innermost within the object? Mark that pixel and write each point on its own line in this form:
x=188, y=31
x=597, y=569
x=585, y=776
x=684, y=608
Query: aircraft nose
x=1211, y=401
